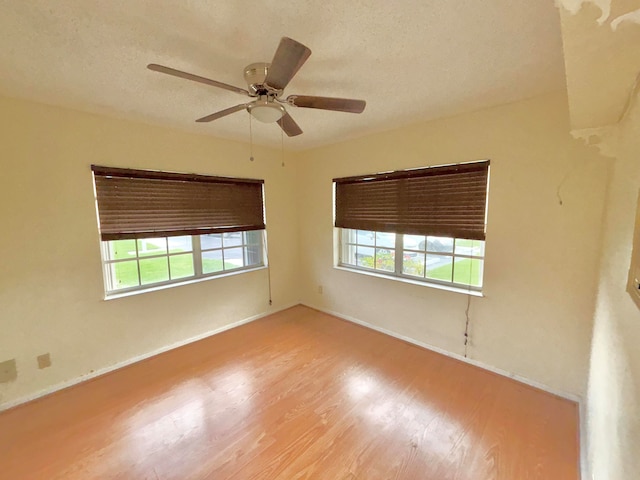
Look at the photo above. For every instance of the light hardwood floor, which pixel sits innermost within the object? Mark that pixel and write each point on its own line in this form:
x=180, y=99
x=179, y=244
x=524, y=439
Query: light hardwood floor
x=297, y=395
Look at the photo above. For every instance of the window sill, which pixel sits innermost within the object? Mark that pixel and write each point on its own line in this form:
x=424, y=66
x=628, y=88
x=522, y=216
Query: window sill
x=449, y=288
x=163, y=286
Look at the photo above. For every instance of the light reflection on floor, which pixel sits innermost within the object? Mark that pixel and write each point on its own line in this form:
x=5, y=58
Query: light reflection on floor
x=176, y=421
x=407, y=417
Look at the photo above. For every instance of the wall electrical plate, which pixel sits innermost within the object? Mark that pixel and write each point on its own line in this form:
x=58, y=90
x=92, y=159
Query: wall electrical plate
x=633, y=285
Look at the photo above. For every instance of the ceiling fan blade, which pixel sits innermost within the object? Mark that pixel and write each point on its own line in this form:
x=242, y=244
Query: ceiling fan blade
x=195, y=78
x=290, y=127
x=328, y=103
x=222, y=113
x=289, y=57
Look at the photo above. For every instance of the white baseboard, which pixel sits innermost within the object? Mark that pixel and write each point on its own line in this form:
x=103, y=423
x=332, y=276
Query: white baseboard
x=504, y=373
x=585, y=473
x=144, y=356
x=583, y=464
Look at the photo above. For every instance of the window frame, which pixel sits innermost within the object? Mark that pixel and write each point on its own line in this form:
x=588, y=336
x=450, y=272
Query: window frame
x=135, y=205
x=398, y=272
x=196, y=252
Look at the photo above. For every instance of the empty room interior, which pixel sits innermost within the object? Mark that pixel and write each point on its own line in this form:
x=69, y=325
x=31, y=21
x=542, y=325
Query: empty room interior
x=320, y=240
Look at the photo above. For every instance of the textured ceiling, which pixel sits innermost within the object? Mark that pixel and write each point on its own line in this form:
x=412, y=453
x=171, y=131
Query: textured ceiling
x=410, y=60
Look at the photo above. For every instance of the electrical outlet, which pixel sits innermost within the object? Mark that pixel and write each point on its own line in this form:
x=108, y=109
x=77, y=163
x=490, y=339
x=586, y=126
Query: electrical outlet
x=44, y=360
x=8, y=371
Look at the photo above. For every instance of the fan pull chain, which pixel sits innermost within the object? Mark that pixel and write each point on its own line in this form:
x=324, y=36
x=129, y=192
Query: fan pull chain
x=250, y=140
x=266, y=253
x=269, y=281
x=282, y=145
x=466, y=327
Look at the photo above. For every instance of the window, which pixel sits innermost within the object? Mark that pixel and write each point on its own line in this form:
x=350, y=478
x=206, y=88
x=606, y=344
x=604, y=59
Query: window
x=134, y=263
x=161, y=228
x=441, y=260
x=424, y=224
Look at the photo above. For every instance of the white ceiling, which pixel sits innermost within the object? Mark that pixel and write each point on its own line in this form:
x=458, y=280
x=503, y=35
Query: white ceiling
x=411, y=60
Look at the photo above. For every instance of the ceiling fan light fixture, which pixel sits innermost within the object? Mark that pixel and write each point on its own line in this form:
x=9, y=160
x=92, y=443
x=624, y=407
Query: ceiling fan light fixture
x=267, y=112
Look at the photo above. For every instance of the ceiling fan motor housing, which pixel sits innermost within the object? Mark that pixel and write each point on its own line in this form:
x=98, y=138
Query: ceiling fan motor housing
x=255, y=75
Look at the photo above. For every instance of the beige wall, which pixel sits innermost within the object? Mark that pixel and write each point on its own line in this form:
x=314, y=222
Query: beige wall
x=602, y=61
x=51, y=288
x=614, y=381
x=540, y=279
x=541, y=258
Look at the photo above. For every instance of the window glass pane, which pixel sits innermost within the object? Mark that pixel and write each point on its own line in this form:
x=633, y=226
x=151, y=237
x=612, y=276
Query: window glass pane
x=233, y=257
x=211, y=240
x=413, y=264
x=348, y=235
x=364, y=237
x=385, y=259
x=232, y=239
x=153, y=270
x=427, y=257
x=124, y=274
x=439, y=267
x=253, y=237
x=349, y=254
x=212, y=261
x=384, y=239
x=181, y=265
x=180, y=244
x=253, y=254
x=414, y=242
x=440, y=244
x=121, y=249
x=469, y=247
x=152, y=246
x=254, y=251
x=169, y=259
x=468, y=271
x=364, y=256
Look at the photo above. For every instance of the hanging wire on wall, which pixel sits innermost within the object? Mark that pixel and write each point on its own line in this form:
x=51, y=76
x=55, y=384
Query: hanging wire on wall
x=466, y=312
x=466, y=327
x=562, y=182
x=573, y=170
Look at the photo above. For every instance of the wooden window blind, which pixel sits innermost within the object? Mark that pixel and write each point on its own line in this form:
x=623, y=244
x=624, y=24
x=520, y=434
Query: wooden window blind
x=447, y=201
x=142, y=204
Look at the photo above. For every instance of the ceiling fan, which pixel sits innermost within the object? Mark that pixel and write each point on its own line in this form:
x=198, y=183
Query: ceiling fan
x=266, y=83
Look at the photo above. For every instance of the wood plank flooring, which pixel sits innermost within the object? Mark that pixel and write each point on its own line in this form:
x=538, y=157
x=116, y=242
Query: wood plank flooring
x=297, y=395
